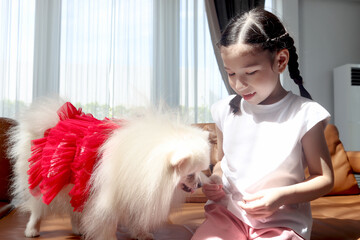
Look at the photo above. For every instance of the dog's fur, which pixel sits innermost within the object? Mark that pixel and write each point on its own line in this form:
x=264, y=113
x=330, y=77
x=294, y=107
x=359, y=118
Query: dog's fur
x=139, y=178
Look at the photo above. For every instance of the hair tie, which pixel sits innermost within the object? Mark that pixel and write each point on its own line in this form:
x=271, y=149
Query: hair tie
x=276, y=39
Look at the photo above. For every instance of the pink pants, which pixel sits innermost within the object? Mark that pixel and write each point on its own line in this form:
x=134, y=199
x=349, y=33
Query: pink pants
x=221, y=224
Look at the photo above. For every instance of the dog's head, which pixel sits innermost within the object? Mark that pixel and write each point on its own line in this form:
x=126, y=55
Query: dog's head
x=190, y=158
x=172, y=153
x=190, y=182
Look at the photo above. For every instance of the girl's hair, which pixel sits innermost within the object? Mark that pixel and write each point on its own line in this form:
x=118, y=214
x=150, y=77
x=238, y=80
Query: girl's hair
x=264, y=31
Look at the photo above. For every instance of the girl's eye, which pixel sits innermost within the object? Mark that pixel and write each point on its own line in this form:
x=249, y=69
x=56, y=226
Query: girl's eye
x=231, y=74
x=251, y=73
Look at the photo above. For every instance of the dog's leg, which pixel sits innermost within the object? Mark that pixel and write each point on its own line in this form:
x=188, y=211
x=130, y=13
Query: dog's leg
x=109, y=233
x=33, y=225
x=105, y=232
x=75, y=223
x=97, y=226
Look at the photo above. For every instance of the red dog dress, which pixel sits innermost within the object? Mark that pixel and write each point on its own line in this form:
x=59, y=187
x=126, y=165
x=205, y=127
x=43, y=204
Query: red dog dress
x=67, y=154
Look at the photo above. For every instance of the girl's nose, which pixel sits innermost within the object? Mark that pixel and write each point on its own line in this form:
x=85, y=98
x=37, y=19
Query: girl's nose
x=240, y=83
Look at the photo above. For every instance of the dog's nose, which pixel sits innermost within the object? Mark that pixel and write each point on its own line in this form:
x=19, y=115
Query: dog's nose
x=199, y=185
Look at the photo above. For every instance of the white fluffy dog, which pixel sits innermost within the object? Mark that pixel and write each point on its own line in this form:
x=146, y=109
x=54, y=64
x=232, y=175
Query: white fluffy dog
x=143, y=170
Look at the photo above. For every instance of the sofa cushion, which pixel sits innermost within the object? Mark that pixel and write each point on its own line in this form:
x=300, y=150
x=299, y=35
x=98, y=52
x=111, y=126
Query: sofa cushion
x=5, y=125
x=345, y=182
x=354, y=159
x=210, y=127
x=336, y=217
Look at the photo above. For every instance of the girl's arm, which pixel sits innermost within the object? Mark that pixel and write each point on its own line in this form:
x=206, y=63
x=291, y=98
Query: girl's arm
x=214, y=191
x=320, y=181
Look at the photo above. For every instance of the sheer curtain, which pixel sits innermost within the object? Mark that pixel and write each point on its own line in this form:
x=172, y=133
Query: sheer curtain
x=16, y=55
x=111, y=56
x=120, y=55
x=200, y=78
x=106, y=54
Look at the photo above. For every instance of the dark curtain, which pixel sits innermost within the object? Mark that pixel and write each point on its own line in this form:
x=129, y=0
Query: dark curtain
x=219, y=12
x=227, y=9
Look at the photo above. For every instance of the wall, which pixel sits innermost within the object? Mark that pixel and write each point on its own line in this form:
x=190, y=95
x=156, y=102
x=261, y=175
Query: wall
x=328, y=32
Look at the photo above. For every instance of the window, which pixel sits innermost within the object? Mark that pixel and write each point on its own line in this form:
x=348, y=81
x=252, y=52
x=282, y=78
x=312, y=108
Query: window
x=113, y=56
x=128, y=54
x=16, y=55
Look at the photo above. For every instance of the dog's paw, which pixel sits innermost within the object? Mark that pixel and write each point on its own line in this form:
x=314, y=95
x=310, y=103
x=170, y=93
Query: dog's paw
x=31, y=233
x=215, y=179
x=76, y=231
x=204, y=179
x=75, y=225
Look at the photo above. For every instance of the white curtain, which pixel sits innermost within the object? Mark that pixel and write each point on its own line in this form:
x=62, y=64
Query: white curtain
x=106, y=54
x=200, y=79
x=16, y=55
x=117, y=55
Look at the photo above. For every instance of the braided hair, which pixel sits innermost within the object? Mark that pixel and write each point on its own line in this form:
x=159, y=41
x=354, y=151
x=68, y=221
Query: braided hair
x=264, y=31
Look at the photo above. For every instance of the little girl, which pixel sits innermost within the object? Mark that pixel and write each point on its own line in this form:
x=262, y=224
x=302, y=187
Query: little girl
x=267, y=136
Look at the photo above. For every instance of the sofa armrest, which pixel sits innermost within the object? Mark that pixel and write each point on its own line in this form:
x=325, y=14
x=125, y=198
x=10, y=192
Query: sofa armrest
x=5, y=208
x=5, y=168
x=354, y=160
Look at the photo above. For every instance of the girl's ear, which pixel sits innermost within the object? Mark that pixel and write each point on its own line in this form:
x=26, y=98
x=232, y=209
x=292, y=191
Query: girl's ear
x=282, y=59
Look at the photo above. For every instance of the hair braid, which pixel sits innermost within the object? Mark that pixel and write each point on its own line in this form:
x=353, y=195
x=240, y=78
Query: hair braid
x=235, y=104
x=293, y=65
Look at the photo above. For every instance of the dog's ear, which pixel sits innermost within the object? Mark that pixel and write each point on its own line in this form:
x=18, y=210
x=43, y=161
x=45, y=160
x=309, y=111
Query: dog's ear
x=180, y=160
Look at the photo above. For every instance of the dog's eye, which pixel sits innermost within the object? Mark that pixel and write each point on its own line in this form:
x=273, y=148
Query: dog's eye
x=191, y=176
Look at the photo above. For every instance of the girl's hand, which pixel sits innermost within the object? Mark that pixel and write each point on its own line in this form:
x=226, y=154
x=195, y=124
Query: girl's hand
x=263, y=203
x=214, y=190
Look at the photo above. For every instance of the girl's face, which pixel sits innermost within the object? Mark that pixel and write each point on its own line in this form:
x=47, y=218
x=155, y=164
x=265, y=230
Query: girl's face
x=254, y=75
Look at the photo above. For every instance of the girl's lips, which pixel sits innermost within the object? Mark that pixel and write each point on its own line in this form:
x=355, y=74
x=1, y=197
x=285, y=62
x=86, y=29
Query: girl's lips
x=248, y=96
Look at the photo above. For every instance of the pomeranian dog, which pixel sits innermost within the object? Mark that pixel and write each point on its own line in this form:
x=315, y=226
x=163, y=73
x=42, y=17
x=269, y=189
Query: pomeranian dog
x=103, y=173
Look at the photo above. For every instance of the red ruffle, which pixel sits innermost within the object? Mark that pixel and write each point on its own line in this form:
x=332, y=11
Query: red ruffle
x=67, y=155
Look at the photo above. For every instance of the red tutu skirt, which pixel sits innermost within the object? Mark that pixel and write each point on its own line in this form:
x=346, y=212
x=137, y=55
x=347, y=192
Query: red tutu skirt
x=67, y=154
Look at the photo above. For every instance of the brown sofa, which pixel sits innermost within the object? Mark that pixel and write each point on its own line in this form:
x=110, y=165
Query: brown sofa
x=336, y=216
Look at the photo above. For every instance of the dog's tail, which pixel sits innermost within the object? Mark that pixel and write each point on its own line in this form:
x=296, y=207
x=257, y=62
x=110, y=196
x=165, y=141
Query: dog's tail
x=40, y=116
x=32, y=122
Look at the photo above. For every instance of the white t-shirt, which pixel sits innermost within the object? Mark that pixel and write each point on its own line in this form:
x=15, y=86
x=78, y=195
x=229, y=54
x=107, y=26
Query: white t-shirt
x=262, y=149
